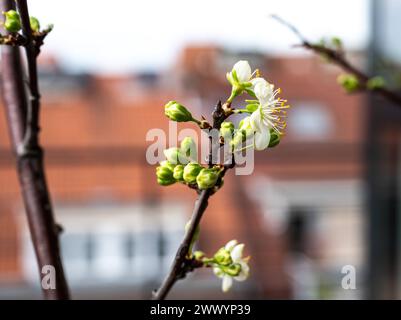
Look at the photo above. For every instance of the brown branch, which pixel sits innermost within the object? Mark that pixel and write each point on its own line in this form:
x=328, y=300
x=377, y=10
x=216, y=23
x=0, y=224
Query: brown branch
x=179, y=267
x=23, y=120
x=31, y=139
x=337, y=57
x=180, y=257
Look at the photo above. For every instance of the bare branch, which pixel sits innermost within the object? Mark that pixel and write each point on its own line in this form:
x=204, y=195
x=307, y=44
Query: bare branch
x=337, y=57
x=23, y=122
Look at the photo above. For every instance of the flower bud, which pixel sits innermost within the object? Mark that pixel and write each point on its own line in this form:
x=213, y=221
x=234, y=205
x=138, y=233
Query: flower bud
x=337, y=43
x=35, y=25
x=13, y=21
x=227, y=129
x=174, y=156
x=164, y=175
x=274, y=138
x=207, y=178
x=349, y=82
x=376, y=83
x=178, y=172
x=239, y=138
x=188, y=148
x=167, y=164
x=223, y=257
x=239, y=77
x=177, y=112
x=191, y=171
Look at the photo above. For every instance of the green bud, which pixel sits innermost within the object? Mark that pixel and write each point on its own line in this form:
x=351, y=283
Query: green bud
x=177, y=112
x=164, y=175
x=178, y=172
x=349, y=82
x=207, y=178
x=174, y=156
x=376, y=83
x=227, y=125
x=191, y=171
x=188, y=148
x=13, y=21
x=227, y=129
x=337, y=43
x=35, y=25
x=239, y=138
x=167, y=164
x=274, y=138
x=232, y=270
x=223, y=257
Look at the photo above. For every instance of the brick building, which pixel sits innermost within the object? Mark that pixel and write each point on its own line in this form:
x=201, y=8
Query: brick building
x=299, y=213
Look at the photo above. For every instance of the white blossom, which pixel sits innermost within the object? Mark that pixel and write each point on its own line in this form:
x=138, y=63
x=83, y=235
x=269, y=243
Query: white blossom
x=271, y=113
x=236, y=252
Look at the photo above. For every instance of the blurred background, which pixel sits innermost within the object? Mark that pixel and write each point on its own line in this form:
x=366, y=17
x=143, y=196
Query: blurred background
x=327, y=197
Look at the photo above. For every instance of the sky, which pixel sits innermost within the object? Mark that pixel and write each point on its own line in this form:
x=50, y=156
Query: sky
x=123, y=36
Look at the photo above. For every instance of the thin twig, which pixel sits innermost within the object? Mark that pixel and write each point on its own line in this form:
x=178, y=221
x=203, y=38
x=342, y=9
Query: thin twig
x=178, y=269
x=23, y=122
x=179, y=260
x=337, y=57
x=31, y=139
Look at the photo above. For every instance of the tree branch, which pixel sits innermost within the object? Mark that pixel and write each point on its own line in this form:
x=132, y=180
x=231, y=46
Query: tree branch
x=23, y=120
x=180, y=265
x=179, y=260
x=337, y=57
x=31, y=139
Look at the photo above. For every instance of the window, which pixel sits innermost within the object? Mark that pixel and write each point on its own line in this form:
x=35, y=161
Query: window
x=310, y=121
x=132, y=243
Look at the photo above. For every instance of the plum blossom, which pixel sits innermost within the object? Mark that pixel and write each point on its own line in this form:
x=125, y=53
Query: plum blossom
x=237, y=270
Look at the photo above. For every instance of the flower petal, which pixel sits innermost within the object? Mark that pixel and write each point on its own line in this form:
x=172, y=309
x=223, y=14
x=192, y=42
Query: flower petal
x=227, y=283
x=255, y=120
x=243, y=70
x=218, y=272
x=257, y=81
x=262, y=139
x=263, y=90
x=244, y=273
x=230, y=245
x=236, y=253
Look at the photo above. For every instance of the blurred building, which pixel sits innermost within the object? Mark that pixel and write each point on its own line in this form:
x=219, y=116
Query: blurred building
x=383, y=157
x=299, y=214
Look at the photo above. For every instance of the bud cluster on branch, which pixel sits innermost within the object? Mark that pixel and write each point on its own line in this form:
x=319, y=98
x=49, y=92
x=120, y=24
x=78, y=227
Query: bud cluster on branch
x=13, y=25
x=261, y=128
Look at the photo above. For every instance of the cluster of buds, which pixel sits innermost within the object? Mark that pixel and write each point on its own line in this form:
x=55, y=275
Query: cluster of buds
x=351, y=83
x=12, y=23
x=261, y=128
x=228, y=263
x=181, y=166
